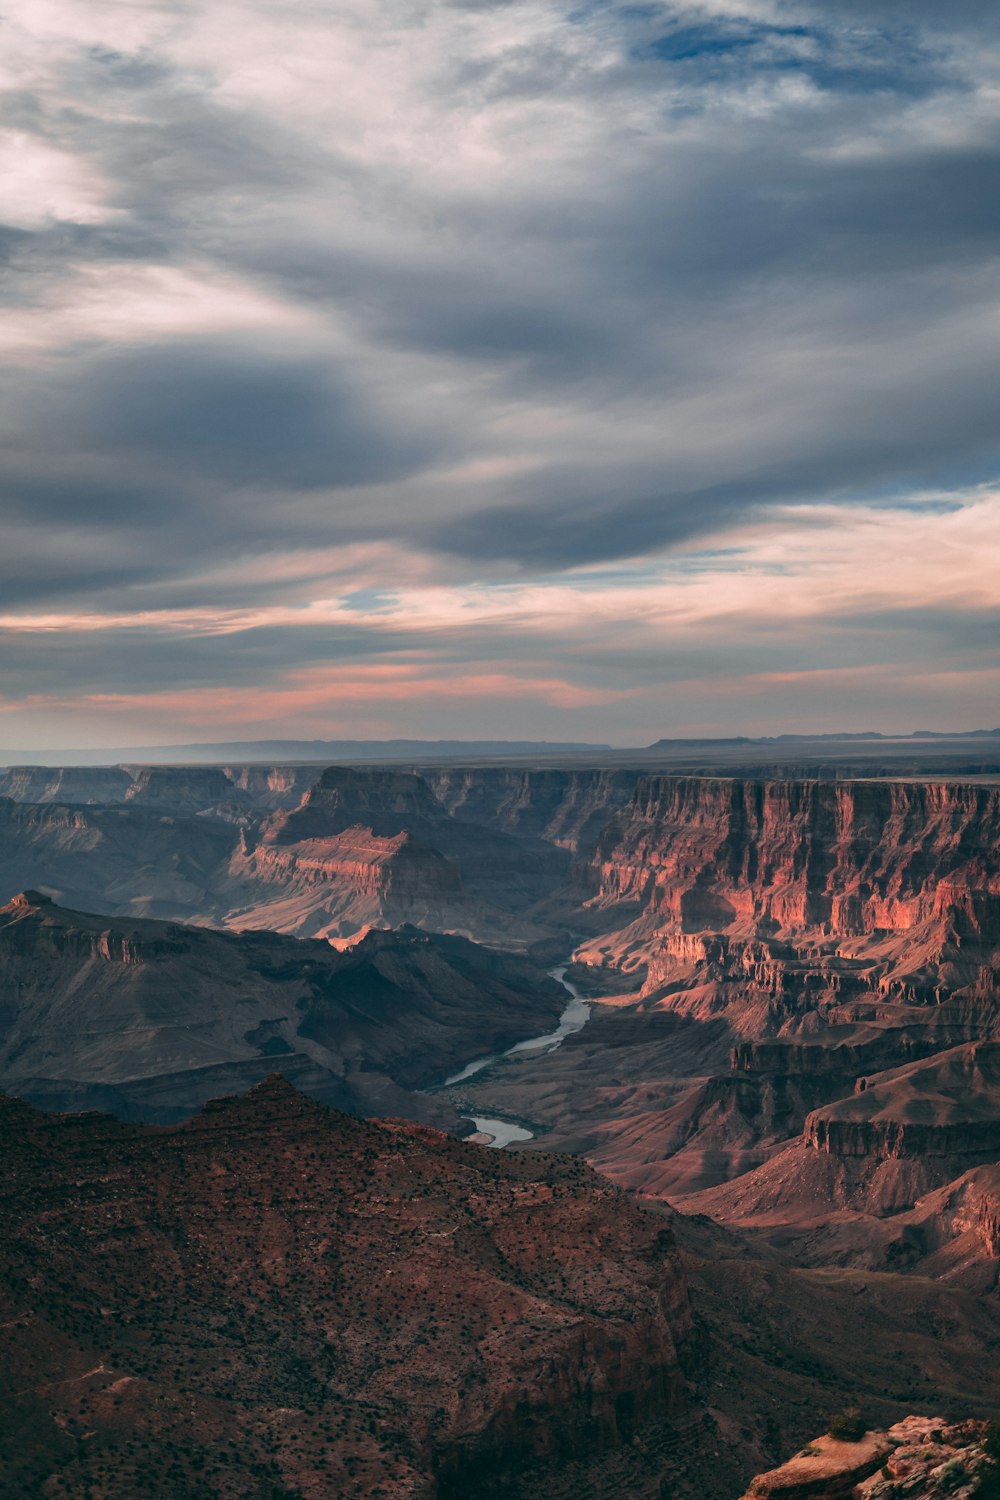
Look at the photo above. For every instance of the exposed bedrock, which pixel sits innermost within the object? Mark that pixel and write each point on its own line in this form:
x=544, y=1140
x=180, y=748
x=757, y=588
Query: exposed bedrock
x=802, y=892
x=946, y=1105
x=376, y=848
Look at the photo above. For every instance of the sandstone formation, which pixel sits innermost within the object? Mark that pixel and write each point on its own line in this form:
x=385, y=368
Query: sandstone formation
x=919, y=1458
x=826, y=1469
x=149, y=1019
x=277, y=1300
x=801, y=895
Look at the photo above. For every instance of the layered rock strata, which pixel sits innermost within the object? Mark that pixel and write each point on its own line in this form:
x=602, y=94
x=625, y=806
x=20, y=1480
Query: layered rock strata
x=802, y=894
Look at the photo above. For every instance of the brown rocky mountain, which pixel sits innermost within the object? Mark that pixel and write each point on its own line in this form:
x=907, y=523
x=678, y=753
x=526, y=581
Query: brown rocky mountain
x=149, y=1019
x=276, y=1300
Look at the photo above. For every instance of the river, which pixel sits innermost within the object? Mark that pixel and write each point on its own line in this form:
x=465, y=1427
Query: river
x=574, y=1018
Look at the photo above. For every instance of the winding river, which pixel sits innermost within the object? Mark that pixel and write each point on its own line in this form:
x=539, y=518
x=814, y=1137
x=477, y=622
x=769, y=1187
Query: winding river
x=574, y=1018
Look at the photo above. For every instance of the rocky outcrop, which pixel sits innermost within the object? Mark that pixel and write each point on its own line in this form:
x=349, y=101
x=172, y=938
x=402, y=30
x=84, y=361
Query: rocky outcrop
x=947, y=1105
x=826, y=1469
x=276, y=1298
x=920, y=1457
x=343, y=885
x=152, y=1018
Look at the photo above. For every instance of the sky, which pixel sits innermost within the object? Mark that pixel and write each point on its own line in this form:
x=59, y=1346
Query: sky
x=523, y=370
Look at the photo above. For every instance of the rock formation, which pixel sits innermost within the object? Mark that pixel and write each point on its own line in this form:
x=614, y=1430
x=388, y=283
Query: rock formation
x=920, y=1458
x=567, y=808
x=801, y=896
x=376, y=848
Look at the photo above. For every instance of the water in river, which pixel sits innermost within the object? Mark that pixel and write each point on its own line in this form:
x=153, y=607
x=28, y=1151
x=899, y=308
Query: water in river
x=574, y=1018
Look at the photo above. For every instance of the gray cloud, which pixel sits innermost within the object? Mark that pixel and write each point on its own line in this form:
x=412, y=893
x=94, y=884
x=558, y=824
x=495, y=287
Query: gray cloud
x=573, y=285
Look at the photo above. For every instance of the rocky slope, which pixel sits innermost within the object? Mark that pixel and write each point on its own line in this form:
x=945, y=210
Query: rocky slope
x=276, y=1300
x=151, y=1018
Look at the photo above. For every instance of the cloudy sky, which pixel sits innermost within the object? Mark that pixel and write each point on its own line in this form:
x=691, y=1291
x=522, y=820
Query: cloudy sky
x=498, y=369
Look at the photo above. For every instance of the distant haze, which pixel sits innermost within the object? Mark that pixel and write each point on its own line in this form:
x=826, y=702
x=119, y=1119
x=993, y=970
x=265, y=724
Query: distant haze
x=976, y=752
x=528, y=371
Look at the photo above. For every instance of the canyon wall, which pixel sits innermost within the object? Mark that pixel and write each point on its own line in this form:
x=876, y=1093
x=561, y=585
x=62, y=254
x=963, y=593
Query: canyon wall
x=802, y=893
x=567, y=808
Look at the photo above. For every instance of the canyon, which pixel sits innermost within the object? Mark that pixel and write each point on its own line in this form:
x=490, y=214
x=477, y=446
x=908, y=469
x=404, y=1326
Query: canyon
x=789, y=1053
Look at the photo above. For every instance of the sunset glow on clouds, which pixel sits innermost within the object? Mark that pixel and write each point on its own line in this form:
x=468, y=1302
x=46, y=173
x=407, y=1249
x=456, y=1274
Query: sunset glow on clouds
x=498, y=370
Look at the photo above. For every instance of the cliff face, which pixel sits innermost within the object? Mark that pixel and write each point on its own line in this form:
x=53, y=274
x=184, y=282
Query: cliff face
x=831, y=890
x=567, y=808
x=347, y=883
x=152, y=1018
x=72, y=784
x=948, y=1105
x=275, y=1298
x=230, y=791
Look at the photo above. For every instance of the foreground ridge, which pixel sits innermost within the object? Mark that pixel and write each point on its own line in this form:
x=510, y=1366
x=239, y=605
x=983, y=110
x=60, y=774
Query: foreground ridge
x=275, y=1299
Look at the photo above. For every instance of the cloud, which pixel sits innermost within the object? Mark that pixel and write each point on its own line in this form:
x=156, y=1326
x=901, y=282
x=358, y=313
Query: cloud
x=483, y=294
